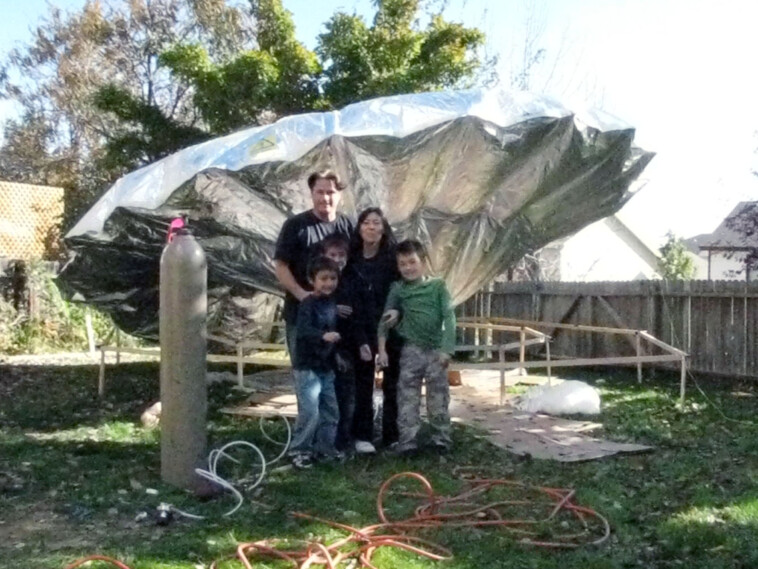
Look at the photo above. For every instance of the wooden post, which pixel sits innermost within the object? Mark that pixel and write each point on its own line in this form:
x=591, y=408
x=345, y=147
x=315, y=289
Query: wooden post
x=240, y=367
x=118, y=345
x=638, y=341
x=101, y=375
x=488, y=334
x=522, y=350
x=683, y=381
x=90, y=331
x=549, y=367
x=501, y=357
x=477, y=304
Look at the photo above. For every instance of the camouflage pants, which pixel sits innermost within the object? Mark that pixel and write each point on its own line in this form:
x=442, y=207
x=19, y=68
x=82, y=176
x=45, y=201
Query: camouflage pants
x=417, y=364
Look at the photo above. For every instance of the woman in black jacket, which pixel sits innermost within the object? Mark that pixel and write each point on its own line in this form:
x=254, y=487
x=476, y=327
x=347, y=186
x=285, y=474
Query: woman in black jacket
x=374, y=267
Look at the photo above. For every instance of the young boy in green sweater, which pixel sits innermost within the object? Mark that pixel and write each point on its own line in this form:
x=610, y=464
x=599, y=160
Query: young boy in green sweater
x=420, y=306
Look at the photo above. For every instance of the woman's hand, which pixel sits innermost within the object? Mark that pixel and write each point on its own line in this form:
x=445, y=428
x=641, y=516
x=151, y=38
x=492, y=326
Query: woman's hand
x=365, y=351
x=390, y=318
x=331, y=337
x=382, y=360
x=344, y=311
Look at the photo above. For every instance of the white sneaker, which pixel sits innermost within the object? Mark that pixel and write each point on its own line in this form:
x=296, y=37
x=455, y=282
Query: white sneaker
x=364, y=447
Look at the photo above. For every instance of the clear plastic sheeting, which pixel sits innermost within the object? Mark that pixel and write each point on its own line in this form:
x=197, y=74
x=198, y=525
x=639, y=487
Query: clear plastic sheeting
x=482, y=177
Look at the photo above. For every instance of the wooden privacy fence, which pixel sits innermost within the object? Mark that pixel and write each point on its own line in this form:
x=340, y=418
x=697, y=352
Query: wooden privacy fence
x=715, y=322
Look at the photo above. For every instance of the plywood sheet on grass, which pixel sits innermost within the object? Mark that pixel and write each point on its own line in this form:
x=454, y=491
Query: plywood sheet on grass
x=536, y=435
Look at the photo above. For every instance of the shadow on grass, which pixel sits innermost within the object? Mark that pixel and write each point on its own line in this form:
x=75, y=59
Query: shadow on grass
x=49, y=398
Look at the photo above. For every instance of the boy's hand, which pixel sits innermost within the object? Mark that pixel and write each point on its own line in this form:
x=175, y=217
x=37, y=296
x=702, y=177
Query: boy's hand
x=344, y=311
x=365, y=353
x=331, y=337
x=445, y=360
x=382, y=360
x=390, y=318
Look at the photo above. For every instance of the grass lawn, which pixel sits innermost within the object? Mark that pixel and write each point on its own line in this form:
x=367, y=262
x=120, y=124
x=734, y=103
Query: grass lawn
x=74, y=473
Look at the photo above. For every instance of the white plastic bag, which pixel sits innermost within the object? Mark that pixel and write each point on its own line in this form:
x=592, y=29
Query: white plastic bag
x=567, y=398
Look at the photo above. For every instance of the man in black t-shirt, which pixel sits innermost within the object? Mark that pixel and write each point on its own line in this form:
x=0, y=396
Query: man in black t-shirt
x=298, y=239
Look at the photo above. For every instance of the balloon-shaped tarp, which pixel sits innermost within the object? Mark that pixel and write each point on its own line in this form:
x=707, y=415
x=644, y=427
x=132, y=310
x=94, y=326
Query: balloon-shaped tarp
x=482, y=177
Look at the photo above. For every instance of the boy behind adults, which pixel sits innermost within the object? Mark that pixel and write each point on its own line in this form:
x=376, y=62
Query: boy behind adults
x=427, y=327
x=354, y=339
x=313, y=362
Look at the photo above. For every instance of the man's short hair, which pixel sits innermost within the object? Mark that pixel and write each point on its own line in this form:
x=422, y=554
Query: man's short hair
x=334, y=241
x=319, y=264
x=409, y=247
x=330, y=175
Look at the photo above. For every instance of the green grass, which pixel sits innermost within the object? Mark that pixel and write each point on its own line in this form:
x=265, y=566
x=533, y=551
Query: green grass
x=74, y=472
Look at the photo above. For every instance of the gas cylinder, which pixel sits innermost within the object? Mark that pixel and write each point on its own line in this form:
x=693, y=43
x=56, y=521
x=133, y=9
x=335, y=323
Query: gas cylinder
x=184, y=398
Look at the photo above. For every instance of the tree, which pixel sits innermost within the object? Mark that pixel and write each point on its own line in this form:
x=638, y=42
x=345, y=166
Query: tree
x=119, y=84
x=745, y=224
x=352, y=62
x=394, y=55
x=110, y=46
x=675, y=262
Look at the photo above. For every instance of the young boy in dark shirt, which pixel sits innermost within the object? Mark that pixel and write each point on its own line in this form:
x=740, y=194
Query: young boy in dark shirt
x=317, y=338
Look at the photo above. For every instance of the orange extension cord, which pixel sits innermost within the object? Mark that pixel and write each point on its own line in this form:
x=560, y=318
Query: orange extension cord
x=468, y=509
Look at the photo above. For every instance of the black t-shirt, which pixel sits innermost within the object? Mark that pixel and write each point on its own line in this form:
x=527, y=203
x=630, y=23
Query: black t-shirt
x=296, y=243
x=373, y=277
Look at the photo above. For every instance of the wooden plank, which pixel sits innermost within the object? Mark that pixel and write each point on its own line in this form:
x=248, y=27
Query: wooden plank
x=662, y=345
x=577, y=362
x=563, y=326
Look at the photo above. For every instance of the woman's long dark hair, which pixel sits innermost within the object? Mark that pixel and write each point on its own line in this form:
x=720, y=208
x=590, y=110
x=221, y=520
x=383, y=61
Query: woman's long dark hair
x=387, y=242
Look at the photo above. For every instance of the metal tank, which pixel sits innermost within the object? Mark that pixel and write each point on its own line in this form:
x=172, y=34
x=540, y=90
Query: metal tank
x=183, y=312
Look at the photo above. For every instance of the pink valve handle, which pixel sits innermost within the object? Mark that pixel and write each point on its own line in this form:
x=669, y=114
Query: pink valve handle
x=177, y=223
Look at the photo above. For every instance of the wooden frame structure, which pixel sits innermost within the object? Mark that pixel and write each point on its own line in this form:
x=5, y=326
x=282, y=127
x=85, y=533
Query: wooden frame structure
x=528, y=335
x=636, y=337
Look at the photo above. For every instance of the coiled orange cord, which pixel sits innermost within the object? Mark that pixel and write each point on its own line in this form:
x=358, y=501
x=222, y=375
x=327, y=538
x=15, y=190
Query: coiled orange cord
x=435, y=511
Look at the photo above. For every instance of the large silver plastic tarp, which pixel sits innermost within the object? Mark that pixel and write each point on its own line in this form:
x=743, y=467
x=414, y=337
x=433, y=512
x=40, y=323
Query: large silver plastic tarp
x=481, y=176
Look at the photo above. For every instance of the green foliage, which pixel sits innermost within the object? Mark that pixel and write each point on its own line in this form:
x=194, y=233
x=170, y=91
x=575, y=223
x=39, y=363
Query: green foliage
x=675, y=262
x=117, y=85
x=395, y=55
x=56, y=325
x=352, y=62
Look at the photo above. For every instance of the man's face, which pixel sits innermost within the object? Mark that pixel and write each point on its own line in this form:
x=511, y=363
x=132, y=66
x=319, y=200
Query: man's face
x=411, y=266
x=324, y=283
x=325, y=198
x=338, y=255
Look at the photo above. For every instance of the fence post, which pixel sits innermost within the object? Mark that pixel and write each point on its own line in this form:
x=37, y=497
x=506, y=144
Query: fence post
x=522, y=351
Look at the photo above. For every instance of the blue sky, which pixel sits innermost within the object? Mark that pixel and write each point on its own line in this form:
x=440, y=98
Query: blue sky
x=680, y=71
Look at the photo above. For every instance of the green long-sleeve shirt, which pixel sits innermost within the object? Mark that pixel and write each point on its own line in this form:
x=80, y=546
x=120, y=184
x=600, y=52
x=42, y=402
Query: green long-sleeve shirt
x=427, y=318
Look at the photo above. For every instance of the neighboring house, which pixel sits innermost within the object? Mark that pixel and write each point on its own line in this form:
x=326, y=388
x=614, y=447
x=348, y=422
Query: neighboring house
x=728, y=250
x=30, y=218
x=607, y=250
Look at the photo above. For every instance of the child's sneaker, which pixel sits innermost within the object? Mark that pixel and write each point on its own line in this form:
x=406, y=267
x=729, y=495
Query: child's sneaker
x=301, y=460
x=337, y=457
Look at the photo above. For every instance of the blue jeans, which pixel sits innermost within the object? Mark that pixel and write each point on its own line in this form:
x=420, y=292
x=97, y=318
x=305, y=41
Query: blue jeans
x=317, y=412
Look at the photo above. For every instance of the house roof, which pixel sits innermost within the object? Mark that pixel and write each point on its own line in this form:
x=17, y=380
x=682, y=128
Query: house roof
x=729, y=235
